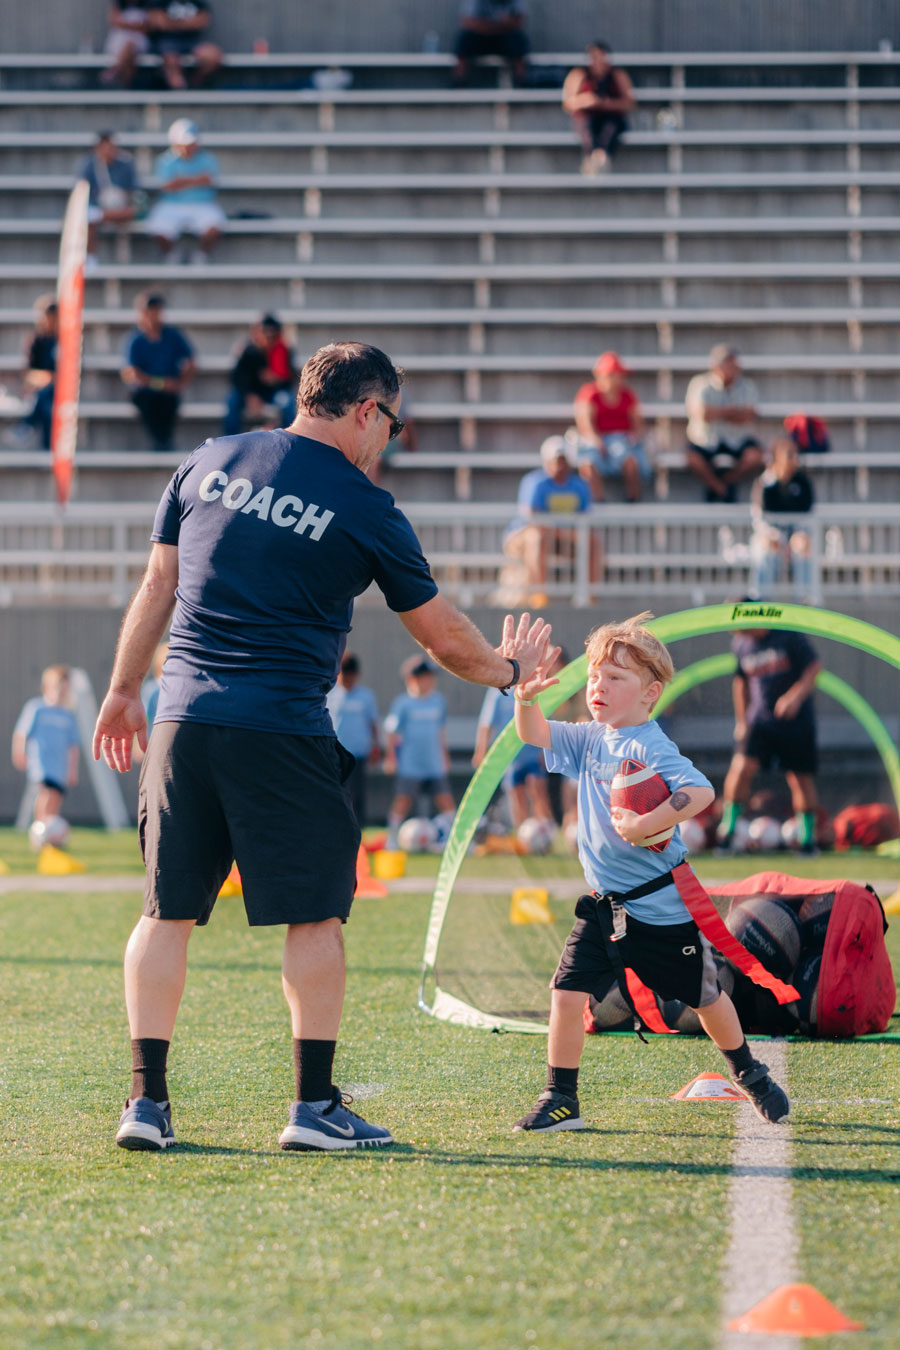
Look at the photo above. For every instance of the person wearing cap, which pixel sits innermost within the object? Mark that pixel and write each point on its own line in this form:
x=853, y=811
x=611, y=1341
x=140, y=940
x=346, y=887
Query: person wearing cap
x=263, y=379
x=416, y=745
x=722, y=449
x=552, y=490
x=176, y=30
x=261, y=544
x=610, y=426
x=158, y=365
x=110, y=175
x=186, y=175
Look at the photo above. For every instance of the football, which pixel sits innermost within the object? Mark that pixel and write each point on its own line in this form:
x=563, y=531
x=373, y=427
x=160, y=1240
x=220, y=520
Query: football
x=637, y=788
x=770, y=930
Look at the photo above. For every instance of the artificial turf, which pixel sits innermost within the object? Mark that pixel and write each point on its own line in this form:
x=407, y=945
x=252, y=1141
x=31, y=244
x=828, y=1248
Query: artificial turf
x=462, y=1235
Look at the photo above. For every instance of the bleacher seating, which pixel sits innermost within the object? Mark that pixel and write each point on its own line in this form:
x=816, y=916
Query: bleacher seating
x=453, y=229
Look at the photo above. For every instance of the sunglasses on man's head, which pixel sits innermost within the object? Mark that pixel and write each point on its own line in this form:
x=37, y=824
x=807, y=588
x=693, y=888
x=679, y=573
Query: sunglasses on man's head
x=397, y=425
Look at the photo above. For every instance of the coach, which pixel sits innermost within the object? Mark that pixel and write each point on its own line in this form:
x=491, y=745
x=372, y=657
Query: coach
x=268, y=538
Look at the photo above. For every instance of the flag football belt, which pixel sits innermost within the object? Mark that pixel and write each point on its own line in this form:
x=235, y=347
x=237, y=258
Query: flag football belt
x=711, y=925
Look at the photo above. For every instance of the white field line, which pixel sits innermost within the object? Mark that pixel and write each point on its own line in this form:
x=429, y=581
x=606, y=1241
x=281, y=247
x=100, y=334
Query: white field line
x=762, y=1252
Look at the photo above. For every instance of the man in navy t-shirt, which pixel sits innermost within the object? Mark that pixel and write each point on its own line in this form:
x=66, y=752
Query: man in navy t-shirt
x=158, y=365
x=261, y=544
x=774, y=721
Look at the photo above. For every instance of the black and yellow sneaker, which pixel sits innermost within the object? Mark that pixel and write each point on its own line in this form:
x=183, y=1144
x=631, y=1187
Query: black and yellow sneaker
x=765, y=1096
x=552, y=1111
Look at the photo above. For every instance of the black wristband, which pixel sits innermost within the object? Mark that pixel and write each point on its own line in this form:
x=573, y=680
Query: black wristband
x=505, y=688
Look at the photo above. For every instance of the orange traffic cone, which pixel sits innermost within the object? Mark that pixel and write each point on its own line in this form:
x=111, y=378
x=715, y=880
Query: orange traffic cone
x=367, y=886
x=232, y=884
x=708, y=1087
x=794, y=1310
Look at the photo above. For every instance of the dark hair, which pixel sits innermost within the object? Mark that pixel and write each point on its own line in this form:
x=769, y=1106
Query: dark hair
x=601, y=47
x=270, y=321
x=343, y=373
x=104, y=134
x=150, y=300
x=349, y=664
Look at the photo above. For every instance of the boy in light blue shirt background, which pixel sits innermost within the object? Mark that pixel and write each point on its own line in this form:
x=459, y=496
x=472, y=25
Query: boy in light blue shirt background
x=353, y=709
x=416, y=729
x=634, y=916
x=45, y=743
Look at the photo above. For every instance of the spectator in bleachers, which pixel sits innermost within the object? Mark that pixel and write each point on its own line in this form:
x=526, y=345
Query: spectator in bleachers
x=597, y=97
x=554, y=489
x=110, y=176
x=610, y=426
x=177, y=29
x=158, y=366
x=492, y=28
x=126, y=41
x=263, y=380
x=782, y=550
x=39, y=376
x=186, y=175
x=721, y=407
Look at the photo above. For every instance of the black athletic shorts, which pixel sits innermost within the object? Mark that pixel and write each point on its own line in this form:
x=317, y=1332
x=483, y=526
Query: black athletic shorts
x=791, y=746
x=674, y=960
x=53, y=785
x=276, y=804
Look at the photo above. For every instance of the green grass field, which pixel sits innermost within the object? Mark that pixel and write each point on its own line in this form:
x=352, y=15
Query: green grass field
x=463, y=1235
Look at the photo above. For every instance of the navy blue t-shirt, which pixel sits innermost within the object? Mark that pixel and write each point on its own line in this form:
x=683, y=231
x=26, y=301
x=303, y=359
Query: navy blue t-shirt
x=771, y=666
x=164, y=357
x=277, y=534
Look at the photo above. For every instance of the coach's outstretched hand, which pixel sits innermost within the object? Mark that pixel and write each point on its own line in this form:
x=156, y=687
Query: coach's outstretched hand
x=528, y=643
x=120, y=719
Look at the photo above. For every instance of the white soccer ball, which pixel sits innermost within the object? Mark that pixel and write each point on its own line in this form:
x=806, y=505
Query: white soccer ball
x=535, y=835
x=764, y=834
x=790, y=832
x=416, y=835
x=54, y=831
x=741, y=836
x=693, y=835
x=440, y=828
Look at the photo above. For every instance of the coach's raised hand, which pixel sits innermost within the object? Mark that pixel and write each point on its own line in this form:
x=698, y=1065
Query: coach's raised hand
x=527, y=642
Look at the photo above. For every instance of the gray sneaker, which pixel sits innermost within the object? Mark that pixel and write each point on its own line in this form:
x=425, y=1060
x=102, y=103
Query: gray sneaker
x=333, y=1126
x=145, y=1125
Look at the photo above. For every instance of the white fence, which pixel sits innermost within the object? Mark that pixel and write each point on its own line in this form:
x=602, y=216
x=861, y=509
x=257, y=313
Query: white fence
x=95, y=553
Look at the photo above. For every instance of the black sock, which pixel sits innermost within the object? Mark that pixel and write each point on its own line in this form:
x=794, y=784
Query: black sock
x=148, y=1069
x=313, y=1063
x=563, y=1080
x=739, y=1060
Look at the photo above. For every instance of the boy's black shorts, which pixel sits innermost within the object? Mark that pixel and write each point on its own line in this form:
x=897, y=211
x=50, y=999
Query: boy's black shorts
x=792, y=747
x=275, y=803
x=674, y=960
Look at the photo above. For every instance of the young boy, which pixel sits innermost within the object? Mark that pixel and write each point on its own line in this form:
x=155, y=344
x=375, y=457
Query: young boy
x=353, y=708
x=417, y=744
x=45, y=743
x=634, y=915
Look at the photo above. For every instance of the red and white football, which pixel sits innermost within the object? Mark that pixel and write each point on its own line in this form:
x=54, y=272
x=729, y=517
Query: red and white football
x=637, y=788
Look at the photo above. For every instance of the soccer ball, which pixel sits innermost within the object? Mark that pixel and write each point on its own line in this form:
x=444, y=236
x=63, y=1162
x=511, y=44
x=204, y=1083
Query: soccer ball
x=764, y=834
x=790, y=832
x=440, y=829
x=741, y=836
x=536, y=836
x=416, y=835
x=693, y=835
x=54, y=831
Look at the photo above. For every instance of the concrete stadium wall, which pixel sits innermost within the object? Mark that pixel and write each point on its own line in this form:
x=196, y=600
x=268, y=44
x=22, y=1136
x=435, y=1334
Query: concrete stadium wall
x=401, y=25
x=701, y=721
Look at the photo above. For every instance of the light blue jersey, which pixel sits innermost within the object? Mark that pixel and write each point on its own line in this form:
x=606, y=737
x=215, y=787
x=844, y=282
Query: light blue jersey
x=591, y=753
x=50, y=731
x=497, y=711
x=419, y=723
x=354, y=712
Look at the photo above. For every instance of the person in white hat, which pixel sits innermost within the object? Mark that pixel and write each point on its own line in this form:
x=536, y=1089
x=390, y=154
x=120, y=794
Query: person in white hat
x=186, y=174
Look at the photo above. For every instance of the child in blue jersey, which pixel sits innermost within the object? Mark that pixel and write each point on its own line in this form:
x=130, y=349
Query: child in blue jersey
x=525, y=781
x=353, y=708
x=634, y=915
x=416, y=728
x=45, y=743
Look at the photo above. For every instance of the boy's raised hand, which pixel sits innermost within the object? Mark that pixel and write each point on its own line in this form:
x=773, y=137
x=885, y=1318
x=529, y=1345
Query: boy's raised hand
x=541, y=679
x=526, y=642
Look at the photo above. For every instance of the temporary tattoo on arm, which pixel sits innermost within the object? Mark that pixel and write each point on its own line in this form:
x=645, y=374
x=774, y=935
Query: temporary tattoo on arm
x=679, y=800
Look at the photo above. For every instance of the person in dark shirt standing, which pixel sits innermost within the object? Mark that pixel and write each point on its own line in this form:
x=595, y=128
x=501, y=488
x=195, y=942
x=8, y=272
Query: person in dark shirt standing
x=262, y=377
x=774, y=721
x=261, y=544
x=158, y=366
x=597, y=99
